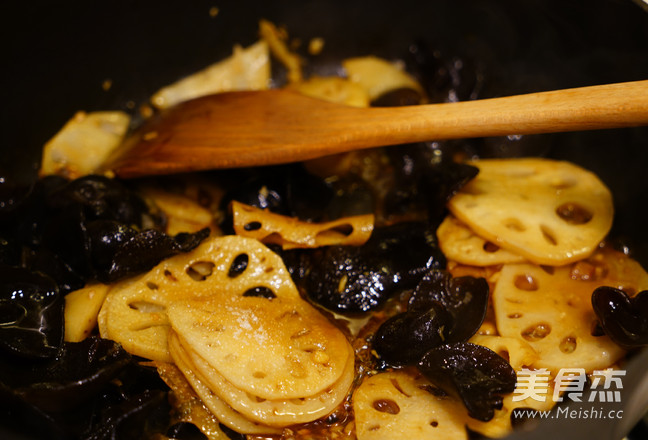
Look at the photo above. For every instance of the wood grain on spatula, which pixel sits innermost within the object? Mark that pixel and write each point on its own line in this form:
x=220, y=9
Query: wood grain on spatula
x=240, y=129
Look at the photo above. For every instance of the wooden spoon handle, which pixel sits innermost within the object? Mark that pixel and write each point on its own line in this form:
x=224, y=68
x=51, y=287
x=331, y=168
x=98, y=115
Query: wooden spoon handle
x=240, y=129
x=586, y=108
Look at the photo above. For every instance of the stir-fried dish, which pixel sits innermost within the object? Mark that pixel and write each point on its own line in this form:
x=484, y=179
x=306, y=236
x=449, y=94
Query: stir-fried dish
x=390, y=293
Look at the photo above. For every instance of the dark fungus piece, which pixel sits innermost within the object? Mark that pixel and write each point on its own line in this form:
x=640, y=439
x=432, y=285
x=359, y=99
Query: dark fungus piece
x=407, y=192
x=623, y=319
x=424, y=179
x=138, y=416
x=31, y=313
x=100, y=198
x=404, y=338
x=353, y=196
x=66, y=235
x=21, y=420
x=297, y=261
x=94, y=390
x=77, y=373
x=445, y=79
x=51, y=264
x=27, y=213
x=264, y=192
x=286, y=189
x=12, y=193
x=118, y=251
x=465, y=298
x=520, y=416
x=360, y=279
x=443, y=181
x=476, y=374
x=132, y=406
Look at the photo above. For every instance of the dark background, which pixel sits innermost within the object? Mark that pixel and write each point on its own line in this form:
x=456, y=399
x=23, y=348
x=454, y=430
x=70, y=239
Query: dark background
x=56, y=56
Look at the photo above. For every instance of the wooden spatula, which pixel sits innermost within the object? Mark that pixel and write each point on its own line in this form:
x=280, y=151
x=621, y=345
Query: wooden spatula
x=240, y=129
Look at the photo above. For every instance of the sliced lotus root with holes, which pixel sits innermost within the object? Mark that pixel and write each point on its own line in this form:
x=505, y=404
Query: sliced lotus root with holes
x=518, y=353
x=290, y=232
x=181, y=212
x=459, y=243
x=193, y=410
x=137, y=319
x=551, y=308
x=225, y=413
x=396, y=405
x=550, y=212
x=135, y=311
x=273, y=348
x=278, y=413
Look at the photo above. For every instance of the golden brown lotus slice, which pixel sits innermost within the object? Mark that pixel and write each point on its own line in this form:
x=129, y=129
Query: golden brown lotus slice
x=135, y=311
x=459, y=243
x=518, y=353
x=83, y=144
x=548, y=211
x=551, y=308
x=273, y=348
x=277, y=413
x=192, y=409
x=246, y=69
x=378, y=75
x=333, y=89
x=290, y=232
x=182, y=213
x=81, y=310
x=397, y=406
x=225, y=413
x=136, y=318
